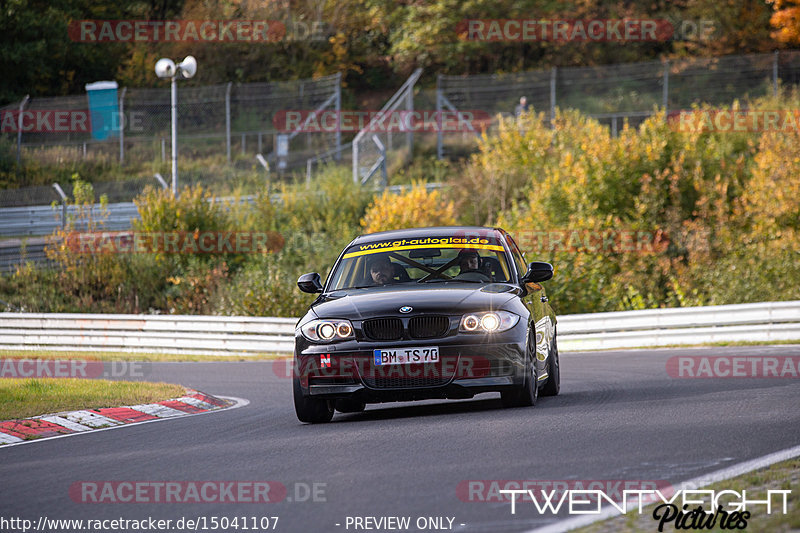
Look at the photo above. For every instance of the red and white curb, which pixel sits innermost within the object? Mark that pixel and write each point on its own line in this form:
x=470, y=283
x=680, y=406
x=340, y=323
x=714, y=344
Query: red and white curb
x=74, y=422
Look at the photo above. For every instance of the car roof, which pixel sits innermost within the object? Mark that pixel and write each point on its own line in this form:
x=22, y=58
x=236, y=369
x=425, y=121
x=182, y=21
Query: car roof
x=438, y=231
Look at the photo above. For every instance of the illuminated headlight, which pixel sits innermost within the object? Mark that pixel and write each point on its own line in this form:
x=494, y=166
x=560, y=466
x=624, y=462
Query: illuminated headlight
x=327, y=330
x=488, y=322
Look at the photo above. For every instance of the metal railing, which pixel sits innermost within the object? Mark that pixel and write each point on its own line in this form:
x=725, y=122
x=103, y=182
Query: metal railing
x=759, y=322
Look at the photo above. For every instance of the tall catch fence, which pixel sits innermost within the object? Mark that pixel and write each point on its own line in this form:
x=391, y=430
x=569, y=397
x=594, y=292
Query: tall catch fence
x=615, y=93
x=230, y=119
x=378, y=149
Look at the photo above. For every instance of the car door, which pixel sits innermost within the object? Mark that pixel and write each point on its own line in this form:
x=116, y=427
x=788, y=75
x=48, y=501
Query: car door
x=535, y=300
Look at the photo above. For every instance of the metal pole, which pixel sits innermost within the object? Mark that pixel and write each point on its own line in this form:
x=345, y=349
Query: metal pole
x=665, y=89
x=163, y=149
x=439, y=136
x=174, y=137
x=337, y=105
x=228, y=119
x=63, y=196
x=243, y=144
x=553, y=96
x=409, y=111
x=122, y=125
x=19, y=127
x=775, y=73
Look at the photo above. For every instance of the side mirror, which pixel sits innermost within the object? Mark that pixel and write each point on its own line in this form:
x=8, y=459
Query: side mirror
x=538, y=271
x=310, y=283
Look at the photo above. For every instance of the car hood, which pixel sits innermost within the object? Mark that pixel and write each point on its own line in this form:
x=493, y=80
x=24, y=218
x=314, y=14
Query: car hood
x=444, y=298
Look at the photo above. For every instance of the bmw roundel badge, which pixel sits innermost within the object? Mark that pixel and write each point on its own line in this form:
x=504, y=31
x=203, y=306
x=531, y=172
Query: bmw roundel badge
x=406, y=309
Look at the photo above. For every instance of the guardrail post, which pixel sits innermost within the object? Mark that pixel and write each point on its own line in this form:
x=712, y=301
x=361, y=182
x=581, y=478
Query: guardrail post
x=19, y=127
x=63, y=196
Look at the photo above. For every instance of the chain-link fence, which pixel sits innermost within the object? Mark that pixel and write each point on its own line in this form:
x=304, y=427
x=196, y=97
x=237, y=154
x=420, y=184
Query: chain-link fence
x=378, y=148
x=615, y=93
x=228, y=119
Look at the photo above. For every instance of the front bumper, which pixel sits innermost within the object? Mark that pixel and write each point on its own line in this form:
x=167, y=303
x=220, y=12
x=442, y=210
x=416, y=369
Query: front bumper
x=468, y=365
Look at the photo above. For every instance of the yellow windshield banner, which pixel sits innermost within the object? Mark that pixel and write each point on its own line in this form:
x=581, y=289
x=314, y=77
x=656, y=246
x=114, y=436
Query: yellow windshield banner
x=473, y=243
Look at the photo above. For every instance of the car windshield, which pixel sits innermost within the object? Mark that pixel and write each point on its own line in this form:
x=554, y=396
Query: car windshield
x=430, y=260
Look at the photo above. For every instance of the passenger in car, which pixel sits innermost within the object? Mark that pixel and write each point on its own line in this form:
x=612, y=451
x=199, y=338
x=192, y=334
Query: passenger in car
x=469, y=261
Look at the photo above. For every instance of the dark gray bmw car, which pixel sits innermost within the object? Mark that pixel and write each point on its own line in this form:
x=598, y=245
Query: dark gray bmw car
x=446, y=312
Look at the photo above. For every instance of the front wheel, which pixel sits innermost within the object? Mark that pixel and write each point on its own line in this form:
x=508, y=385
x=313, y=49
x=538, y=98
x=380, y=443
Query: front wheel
x=527, y=394
x=311, y=410
x=553, y=385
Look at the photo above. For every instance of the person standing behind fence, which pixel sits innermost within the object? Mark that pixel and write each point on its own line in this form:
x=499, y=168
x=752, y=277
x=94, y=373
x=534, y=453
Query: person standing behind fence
x=522, y=107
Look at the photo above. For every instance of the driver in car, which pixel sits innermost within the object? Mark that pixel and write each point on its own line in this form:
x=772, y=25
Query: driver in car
x=381, y=270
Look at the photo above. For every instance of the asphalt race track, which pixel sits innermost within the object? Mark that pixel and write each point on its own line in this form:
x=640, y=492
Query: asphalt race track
x=620, y=416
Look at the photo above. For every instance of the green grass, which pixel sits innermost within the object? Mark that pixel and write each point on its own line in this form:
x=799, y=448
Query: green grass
x=780, y=476
x=23, y=398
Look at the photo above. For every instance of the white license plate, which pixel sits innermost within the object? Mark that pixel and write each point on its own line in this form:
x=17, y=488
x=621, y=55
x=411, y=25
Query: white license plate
x=406, y=356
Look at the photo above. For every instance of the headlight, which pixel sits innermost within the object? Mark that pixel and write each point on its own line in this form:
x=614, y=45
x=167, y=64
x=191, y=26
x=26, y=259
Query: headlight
x=327, y=330
x=488, y=322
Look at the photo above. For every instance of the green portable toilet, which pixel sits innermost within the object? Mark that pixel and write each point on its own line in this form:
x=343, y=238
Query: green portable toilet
x=103, y=109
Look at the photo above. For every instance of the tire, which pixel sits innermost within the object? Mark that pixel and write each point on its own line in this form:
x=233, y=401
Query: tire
x=553, y=385
x=349, y=406
x=311, y=410
x=527, y=394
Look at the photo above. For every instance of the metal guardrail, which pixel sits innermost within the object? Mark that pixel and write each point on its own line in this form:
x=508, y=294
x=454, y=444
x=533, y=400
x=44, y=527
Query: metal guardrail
x=44, y=219
x=147, y=333
x=758, y=322
x=769, y=321
x=15, y=252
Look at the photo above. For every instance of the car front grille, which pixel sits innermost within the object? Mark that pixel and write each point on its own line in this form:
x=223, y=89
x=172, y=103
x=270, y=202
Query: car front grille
x=428, y=327
x=383, y=329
